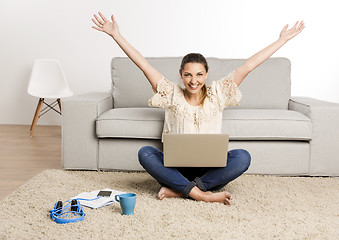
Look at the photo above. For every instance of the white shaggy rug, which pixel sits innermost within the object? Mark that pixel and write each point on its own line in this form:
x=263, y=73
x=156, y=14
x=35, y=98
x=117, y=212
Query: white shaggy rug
x=263, y=207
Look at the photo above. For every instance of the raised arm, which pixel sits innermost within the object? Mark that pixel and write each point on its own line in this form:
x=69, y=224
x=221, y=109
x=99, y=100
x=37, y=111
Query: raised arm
x=112, y=29
x=260, y=57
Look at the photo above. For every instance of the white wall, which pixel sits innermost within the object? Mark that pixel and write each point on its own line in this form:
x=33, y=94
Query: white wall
x=61, y=29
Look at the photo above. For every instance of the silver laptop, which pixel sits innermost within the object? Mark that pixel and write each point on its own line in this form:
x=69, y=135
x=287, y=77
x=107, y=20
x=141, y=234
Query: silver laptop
x=195, y=150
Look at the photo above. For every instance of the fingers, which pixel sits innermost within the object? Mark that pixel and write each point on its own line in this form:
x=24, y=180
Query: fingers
x=302, y=25
x=286, y=26
x=301, y=28
x=296, y=28
x=99, y=20
x=103, y=17
x=96, y=23
x=99, y=29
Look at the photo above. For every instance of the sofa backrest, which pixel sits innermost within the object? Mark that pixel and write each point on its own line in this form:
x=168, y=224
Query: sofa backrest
x=267, y=86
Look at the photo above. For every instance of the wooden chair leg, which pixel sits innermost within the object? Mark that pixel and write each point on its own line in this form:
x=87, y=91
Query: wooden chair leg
x=59, y=102
x=36, y=116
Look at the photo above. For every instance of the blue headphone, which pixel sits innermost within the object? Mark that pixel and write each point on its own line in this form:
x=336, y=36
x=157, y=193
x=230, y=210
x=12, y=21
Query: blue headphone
x=71, y=212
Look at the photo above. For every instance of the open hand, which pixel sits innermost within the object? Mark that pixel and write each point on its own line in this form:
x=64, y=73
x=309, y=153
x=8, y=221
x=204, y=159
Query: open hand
x=288, y=34
x=103, y=25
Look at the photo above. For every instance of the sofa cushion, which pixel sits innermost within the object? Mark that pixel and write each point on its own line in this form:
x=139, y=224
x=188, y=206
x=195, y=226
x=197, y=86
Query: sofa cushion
x=240, y=124
x=131, y=123
x=266, y=124
x=268, y=86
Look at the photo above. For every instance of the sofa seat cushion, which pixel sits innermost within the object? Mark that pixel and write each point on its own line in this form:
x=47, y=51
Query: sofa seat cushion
x=131, y=123
x=240, y=124
x=266, y=124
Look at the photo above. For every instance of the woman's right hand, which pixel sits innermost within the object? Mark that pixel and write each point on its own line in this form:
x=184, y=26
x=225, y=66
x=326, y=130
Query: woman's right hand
x=112, y=29
x=103, y=25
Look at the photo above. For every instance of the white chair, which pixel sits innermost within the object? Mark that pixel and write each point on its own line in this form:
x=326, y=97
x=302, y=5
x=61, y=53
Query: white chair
x=47, y=81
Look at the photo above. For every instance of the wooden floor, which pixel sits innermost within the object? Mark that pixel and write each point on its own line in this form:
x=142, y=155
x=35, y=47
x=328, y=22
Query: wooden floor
x=23, y=157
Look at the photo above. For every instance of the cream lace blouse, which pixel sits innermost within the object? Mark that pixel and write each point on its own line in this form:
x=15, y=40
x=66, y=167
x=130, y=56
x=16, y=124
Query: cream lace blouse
x=183, y=118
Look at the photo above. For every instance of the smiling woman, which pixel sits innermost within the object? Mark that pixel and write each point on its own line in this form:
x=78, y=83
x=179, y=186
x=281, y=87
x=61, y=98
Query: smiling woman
x=195, y=109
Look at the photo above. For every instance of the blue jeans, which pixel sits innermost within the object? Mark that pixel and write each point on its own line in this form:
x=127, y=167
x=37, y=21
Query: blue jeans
x=183, y=179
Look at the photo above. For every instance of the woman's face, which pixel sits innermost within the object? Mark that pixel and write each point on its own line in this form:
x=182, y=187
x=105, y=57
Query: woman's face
x=194, y=76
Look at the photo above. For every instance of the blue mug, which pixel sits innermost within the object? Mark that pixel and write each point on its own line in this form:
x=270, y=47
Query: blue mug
x=127, y=202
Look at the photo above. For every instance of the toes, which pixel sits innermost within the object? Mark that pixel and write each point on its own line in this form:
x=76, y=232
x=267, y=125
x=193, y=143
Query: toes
x=228, y=195
x=161, y=196
x=227, y=202
x=161, y=193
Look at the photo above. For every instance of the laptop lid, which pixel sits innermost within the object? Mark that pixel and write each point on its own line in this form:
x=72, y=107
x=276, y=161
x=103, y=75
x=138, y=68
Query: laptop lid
x=195, y=150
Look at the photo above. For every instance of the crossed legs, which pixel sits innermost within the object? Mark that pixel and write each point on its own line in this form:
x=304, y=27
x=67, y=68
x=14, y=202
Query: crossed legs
x=194, y=182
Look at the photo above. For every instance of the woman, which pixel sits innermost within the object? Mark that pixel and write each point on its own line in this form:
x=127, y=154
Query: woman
x=195, y=109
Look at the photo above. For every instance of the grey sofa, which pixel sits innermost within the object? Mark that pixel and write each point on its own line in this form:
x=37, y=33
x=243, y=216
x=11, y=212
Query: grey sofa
x=285, y=135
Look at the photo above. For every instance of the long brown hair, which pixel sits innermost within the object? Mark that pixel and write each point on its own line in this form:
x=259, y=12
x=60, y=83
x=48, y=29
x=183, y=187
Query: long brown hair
x=196, y=58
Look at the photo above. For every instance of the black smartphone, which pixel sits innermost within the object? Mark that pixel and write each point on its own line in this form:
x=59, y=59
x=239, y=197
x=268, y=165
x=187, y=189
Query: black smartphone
x=104, y=194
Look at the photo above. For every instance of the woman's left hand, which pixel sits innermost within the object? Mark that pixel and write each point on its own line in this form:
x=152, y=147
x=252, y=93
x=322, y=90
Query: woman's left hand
x=288, y=34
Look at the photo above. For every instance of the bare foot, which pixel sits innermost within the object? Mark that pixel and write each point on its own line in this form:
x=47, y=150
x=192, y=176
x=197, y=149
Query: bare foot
x=167, y=192
x=222, y=197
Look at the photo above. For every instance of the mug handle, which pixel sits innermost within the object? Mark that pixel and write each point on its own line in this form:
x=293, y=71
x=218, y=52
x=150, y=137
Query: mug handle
x=116, y=198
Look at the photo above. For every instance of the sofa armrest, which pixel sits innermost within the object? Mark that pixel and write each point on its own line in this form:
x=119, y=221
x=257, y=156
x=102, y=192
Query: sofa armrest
x=79, y=140
x=324, y=151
